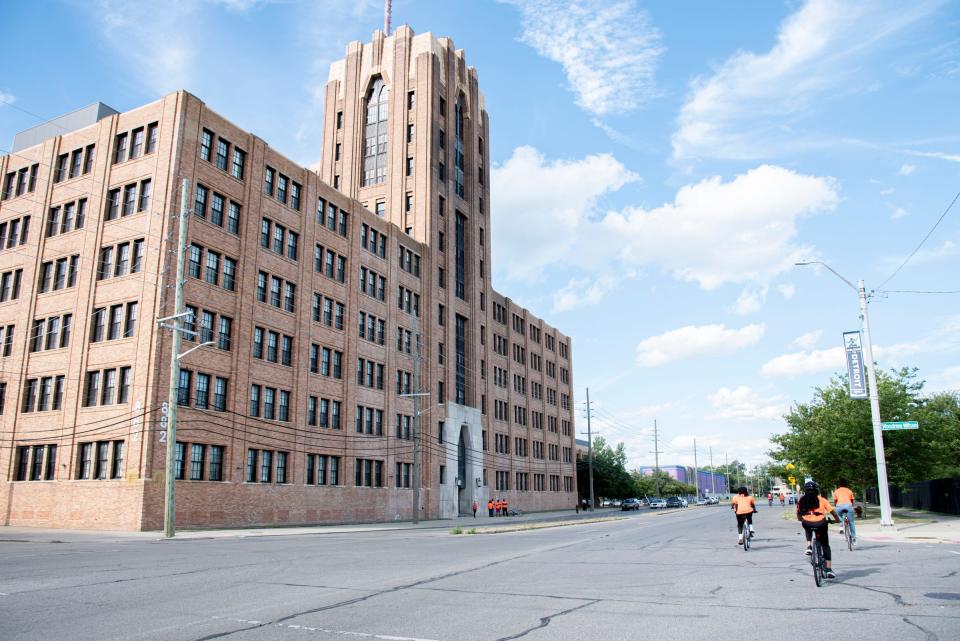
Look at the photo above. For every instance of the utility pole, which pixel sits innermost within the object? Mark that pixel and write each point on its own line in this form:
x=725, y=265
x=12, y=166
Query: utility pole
x=713, y=473
x=726, y=470
x=590, y=449
x=886, y=514
x=416, y=411
x=696, y=470
x=656, y=456
x=169, y=499
x=883, y=489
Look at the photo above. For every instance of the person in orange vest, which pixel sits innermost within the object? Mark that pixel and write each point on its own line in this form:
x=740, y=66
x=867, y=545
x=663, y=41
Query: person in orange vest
x=496, y=507
x=812, y=511
x=744, y=505
x=490, y=507
x=503, y=508
x=783, y=499
x=843, y=501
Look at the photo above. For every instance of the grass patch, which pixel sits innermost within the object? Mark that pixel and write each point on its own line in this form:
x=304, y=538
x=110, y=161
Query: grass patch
x=457, y=530
x=472, y=530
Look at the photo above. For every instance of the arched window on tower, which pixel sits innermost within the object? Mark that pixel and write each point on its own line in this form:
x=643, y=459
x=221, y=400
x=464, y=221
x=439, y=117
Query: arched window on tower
x=458, y=159
x=375, y=134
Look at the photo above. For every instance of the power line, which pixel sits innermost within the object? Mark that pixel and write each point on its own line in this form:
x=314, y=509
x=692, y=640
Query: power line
x=917, y=291
x=913, y=253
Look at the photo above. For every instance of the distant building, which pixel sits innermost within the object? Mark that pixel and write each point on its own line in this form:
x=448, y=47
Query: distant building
x=709, y=482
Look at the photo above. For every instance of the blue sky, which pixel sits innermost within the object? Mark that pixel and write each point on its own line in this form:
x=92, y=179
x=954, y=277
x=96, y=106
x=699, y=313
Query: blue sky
x=658, y=169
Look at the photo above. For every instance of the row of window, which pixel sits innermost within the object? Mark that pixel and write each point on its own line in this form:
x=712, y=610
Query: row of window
x=266, y=466
x=206, y=462
x=409, y=261
x=282, y=295
x=331, y=217
x=522, y=483
x=128, y=200
x=15, y=232
x=326, y=361
x=203, y=325
x=323, y=412
x=373, y=284
x=272, y=346
x=57, y=274
x=369, y=421
x=20, y=182
x=373, y=241
x=276, y=185
x=6, y=340
x=270, y=403
x=140, y=141
x=211, y=270
x=74, y=216
x=328, y=311
x=279, y=239
x=221, y=213
x=43, y=394
x=330, y=263
x=369, y=374
x=109, y=323
x=200, y=396
x=35, y=463
x=408, y=301
x=50, y=333
x=221, y=157
x=372, y=328
x=128, y=256
x=109, y=386
x=73, y=164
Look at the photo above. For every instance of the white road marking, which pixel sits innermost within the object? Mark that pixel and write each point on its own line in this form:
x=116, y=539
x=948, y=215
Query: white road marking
x=364, y=635
x=952, y=552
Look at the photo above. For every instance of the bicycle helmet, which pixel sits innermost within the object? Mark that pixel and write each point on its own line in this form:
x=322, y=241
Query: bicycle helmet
x=811, y=487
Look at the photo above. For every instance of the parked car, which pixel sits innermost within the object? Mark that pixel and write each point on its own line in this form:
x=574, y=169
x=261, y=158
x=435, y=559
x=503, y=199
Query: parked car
x=657, y=504
x=674, y=501
x=702, y=502
x=713, y=500
x=630, y=504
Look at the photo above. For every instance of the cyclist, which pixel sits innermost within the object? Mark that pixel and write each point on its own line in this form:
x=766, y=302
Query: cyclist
x=770, y=499
x=843, y=502
x=812, y=511
x=744, y=506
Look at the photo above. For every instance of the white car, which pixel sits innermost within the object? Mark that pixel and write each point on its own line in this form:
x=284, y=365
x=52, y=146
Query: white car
x=658, y=504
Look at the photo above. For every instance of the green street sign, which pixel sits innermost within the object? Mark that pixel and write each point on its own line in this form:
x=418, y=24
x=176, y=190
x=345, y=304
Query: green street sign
x=900, y=425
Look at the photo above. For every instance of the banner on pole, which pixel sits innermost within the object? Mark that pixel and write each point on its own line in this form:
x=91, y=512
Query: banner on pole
x=853, y=348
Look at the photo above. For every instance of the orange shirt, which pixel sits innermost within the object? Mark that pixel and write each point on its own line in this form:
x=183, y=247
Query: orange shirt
x=842, y=495
x=820, y=512
x=744, y=504
x=489, y=505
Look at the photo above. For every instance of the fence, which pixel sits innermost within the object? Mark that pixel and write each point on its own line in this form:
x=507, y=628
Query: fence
x=939, y=495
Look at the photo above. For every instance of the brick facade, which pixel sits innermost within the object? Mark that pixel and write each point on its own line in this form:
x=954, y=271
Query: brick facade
x=119, y=410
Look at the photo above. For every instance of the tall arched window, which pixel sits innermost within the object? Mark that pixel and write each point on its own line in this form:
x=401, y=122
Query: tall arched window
x=458, y=158
x=375, y=148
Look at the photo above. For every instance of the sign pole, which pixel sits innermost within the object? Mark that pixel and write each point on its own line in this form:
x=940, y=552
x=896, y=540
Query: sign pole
x=883, y=489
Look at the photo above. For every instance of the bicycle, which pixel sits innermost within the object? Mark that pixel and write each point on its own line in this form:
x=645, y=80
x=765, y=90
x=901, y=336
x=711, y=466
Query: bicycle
x=847, y=534
x=817, y=560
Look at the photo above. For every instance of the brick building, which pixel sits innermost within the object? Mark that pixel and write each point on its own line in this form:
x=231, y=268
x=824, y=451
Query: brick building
x=316, y=290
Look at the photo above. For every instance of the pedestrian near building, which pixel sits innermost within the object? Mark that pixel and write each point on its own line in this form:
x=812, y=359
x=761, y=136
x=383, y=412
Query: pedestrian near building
x=503, y=508
x=475, y=506
x=490, y=507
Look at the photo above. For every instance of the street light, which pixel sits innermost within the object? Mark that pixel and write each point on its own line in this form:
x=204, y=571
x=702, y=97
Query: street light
x=886, y=517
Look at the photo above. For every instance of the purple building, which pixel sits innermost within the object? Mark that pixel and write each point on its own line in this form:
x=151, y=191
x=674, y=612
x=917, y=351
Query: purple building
x=710, y=483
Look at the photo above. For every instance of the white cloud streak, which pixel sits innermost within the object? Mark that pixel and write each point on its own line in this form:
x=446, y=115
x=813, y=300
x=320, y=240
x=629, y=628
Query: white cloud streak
x=608, y=50
x=936, y=154
x=753, y=105
x=6, y=98
x=695, y=341
x=743, y=403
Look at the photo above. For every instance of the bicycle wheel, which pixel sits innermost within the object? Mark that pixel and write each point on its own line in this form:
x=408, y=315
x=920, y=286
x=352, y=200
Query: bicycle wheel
x=746, y=537
x=846, y=532
x=816, y=560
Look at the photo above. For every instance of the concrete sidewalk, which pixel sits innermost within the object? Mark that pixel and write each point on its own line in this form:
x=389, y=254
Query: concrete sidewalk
x=482, y=523
x=912, y=526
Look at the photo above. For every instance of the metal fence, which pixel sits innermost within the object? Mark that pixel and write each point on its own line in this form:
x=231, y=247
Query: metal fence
x=939, y=495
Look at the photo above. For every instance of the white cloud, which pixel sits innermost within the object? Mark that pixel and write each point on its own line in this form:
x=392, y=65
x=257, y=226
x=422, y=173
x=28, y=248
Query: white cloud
x=531, y=194
x=787, y=290
x=608, y=50
x=887, y=192
x=583, y=291
x=692, y=341
x=808, y=340
x=947, y=249
x=799, y=363
x=755, y=214
x=744, y=403
x=899, y=212
x=750, y=300
x=6, y=98
x=753, y=103
x=906, y=169
x=936, y=154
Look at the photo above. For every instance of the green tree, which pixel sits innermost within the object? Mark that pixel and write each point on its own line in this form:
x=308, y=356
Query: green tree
x=831, y=437
x=610, y=476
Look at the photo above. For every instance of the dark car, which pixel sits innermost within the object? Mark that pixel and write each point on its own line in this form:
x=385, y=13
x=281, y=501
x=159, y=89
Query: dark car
x=674, y=501
x=630, y=504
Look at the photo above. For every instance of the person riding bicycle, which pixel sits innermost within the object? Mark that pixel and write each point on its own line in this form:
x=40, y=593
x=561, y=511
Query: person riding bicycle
x=812, y=511
x=770, y=499
x=843, y=501
x=744, y=505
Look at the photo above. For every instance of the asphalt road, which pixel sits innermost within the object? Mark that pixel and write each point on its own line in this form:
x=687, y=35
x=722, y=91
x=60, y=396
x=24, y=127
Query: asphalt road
x=651, y=576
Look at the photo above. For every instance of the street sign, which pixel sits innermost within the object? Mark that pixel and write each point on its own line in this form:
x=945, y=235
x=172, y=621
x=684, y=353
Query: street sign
x=858, y=381
x=792, y=479
x=791, y=466
x=900, y=425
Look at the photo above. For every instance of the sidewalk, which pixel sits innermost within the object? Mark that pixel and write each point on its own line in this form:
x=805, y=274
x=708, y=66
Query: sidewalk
x=912, y=526
x=481, y=523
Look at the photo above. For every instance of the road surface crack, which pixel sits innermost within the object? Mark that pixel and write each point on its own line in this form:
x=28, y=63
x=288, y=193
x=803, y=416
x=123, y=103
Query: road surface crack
x=930, y=635
x=545, y=621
